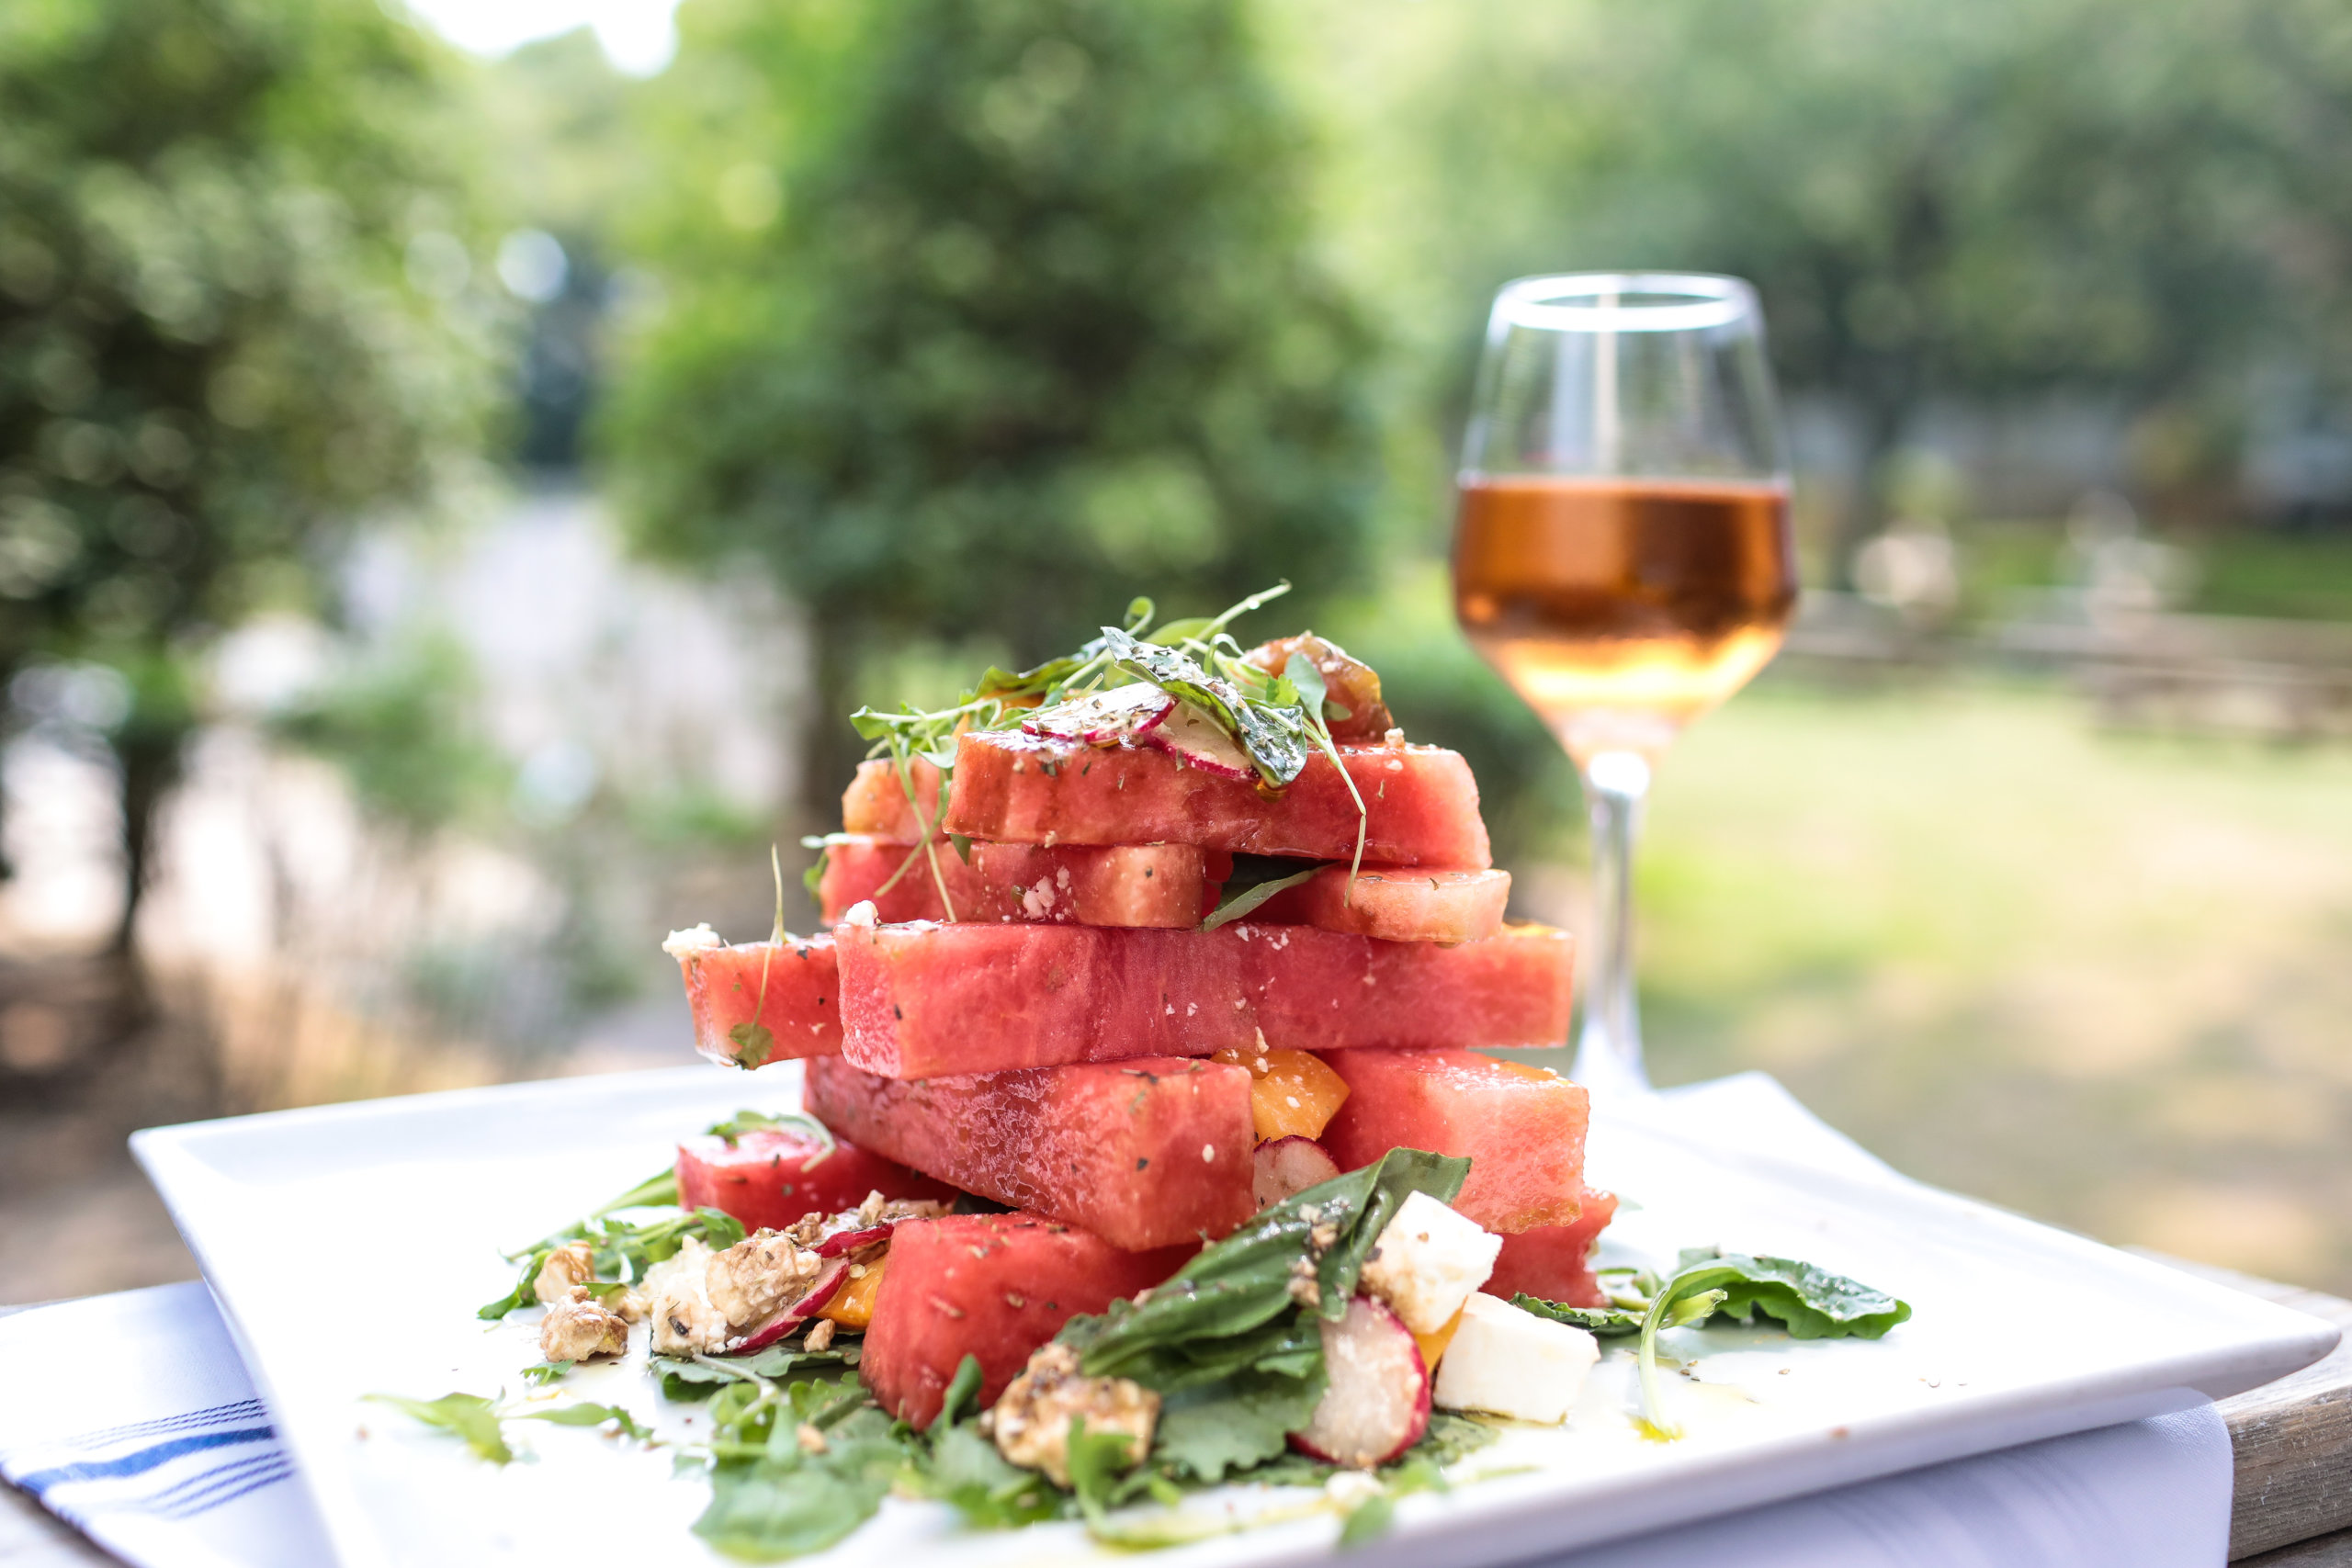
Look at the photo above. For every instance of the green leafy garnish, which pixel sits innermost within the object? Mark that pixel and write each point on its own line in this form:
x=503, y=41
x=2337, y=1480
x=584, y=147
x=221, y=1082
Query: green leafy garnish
x=795, y=1467
x=1278, y=718
x=584, y=1415
x=1608, y=1323
x=467, y=1416
x=621, y=1250
x=1811, y=1302
x=744, y=1121
x=545, y=1372
x=1255, y=879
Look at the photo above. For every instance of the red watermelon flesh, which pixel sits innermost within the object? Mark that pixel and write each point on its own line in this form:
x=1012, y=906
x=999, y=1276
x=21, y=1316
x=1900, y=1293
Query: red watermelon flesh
x=1555, y=1262
x=768, y=1180
x=1126, y=885
x=1523, y=1127
x=1396, y=903
x=923, y=998
x=1421, y=803
x=1149, y=1153
x=764, y=1001
x=994, y=1286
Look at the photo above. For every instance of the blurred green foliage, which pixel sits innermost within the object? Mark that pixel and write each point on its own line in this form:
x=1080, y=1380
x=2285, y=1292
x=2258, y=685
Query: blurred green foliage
x=405, y=731
x=983, y=316
x=234, y=315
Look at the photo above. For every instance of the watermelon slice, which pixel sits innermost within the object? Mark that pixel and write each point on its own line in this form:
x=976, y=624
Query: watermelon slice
x=1555, y=1262
x=922, y=998
x=1396, y=903
x=1139, y=885
x=763, y=1001
x=1146, y=1154
x=1523, y=1127
x=1422, y=804
x=993, y=1286
x=770, y=1179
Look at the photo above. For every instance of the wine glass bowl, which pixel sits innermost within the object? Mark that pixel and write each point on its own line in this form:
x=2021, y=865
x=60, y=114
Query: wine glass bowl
x=1621, y=552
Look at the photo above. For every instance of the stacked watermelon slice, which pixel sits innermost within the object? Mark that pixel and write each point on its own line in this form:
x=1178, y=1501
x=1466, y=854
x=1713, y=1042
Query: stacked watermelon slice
x=1032, y=996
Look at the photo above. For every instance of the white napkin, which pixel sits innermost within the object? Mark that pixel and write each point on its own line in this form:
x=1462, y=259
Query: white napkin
x=130, y=1417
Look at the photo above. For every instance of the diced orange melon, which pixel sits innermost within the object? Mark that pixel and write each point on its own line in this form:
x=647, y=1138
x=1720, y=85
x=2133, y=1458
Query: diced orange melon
x=852, y=1304
x=1292, y=1093
x=1435, y=1342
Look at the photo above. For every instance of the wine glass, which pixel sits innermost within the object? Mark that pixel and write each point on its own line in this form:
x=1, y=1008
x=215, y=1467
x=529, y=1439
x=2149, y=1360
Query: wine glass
x=1622, y=554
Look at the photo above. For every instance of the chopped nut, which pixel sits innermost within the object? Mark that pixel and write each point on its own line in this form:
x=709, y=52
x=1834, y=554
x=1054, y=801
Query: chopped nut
x=577, y=1328
x=1032, y=1421
x=812, y=1440
x=819, y=1337
x=1306, y=1286
x=571, y=1264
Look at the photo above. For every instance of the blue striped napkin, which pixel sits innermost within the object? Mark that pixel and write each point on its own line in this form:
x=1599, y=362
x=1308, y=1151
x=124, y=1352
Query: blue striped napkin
x=130, y=1417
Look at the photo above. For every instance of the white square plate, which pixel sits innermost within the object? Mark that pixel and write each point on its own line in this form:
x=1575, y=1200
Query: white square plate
x=349, y=1245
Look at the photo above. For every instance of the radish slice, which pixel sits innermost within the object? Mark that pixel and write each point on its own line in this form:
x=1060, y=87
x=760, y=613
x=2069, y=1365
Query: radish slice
x=1287, y=1167
x=810, y=1303
x=1103, y=719
x=1196, y=743
x=834, y=1246
x=1377, y=1403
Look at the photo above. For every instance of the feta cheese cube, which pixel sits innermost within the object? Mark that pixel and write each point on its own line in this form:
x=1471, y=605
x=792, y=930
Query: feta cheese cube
x=1511, y=1362
x=1428, y=1261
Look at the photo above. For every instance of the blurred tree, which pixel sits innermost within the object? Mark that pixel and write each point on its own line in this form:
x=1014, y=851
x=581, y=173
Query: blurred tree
x=984, y=315
x=2132, y=200
x=235, y=311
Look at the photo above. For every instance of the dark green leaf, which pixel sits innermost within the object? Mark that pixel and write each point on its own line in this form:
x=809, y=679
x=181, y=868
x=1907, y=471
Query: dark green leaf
x=1243, y=1283
x=545, y=1372
x=1207, y=1432
x=1243, y=892
x=1098, y=1462
x=1813, y=1302
x=755, y=1043
x=1277, y=738
x=467, y=1416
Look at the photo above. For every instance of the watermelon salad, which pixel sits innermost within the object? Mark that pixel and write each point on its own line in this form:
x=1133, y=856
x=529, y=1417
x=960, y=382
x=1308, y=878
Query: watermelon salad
x=1148, y=1138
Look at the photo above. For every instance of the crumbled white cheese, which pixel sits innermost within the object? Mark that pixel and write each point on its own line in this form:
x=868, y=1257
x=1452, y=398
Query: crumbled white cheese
x=684, y=1323
x=863, y=913
x=691, y=941
x=1428, y=1261
x=1511, y=1362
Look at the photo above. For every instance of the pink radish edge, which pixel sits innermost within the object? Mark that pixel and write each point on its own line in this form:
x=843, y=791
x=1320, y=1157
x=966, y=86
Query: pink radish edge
x=1196, y=743
x=1377, y=1403
x=1284, y=1168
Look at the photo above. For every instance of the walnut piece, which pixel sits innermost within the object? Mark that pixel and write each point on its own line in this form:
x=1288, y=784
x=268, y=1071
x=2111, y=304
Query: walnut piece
x=577, y=1328
x=1032, y=1421
x=569, y=1264
x=820, y=1335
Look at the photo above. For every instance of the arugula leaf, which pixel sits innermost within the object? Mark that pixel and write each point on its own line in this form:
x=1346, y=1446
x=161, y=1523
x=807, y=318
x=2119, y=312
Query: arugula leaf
x=754, y=1044
x=659, y=1191
x=1813, y=1302
x=1276, y=735
x=1606, y=1321
x=963, y=1389
x=1185, y=1333
x=744, y=1121
x=772, y=1495
x=467, y=1416
x=685, y=1381
x=988, y=1490
x=584, y=1415
x=1255, y=879
x=1098, y=1462
x=545, y=1372
x=1206, y=1433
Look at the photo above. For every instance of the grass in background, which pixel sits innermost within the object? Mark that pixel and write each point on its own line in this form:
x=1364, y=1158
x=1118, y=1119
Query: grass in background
x=2103, y=980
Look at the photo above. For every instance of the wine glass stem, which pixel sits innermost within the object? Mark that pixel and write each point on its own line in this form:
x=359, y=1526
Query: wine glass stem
x=1609, y=1043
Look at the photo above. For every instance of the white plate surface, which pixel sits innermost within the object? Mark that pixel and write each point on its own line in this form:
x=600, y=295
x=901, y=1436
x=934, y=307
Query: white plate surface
x=349, y=1245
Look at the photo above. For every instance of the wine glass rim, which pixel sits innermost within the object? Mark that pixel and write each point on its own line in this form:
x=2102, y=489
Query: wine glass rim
x=1594, y=302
